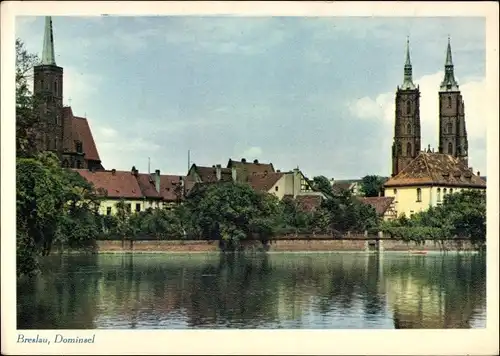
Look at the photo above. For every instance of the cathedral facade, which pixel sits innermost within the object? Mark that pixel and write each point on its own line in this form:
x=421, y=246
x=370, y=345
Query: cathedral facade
x=452, y=131
x=61, y=132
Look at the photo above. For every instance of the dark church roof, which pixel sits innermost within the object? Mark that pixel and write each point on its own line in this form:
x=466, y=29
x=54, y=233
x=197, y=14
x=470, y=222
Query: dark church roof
x=436, y=169
x=78, y=129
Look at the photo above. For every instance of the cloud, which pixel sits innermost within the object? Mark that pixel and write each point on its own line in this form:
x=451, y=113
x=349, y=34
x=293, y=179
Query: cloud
x=252, y=153
x=381, y=107
x=79, y=87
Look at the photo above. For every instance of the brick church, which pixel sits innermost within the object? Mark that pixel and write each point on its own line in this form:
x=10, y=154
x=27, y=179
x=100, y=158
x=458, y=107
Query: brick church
x=68, y=136
x=452, y=132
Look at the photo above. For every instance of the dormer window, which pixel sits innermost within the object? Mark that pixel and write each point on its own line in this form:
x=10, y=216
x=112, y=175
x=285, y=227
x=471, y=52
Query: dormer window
x=79, y=147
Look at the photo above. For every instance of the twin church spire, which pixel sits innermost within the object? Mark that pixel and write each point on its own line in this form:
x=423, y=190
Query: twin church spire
x=452, y=133
x=449, y=83
x=408, y=81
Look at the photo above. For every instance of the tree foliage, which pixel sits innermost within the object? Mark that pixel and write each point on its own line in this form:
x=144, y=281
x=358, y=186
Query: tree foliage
x=54, y=207
x=322, y=184
x=372, y=185
x=27, y=120
x=461, y=215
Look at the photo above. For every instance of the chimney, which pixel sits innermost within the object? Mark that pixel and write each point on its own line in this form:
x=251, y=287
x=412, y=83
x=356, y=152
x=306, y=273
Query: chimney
x=134, y=171
x=218, y=172
x=243, y=160
x=113, y=171
x=157, y=180
x=278, y=171
x=478, y=174
x=256, y=161
x=233, y=173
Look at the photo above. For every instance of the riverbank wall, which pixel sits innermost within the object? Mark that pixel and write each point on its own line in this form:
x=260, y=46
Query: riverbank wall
x=285, y=245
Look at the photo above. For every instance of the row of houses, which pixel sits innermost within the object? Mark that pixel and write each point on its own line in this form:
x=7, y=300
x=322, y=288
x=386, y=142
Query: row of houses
x=422, y=184
x=141, y=191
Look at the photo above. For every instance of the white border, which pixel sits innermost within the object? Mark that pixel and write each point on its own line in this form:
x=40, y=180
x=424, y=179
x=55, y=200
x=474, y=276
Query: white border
x=405, y=342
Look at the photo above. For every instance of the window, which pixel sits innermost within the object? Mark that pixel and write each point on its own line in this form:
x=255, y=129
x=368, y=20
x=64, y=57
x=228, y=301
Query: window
x=449, y=101
x=408, y=149
x=451, y=190
x=79, y=147
x=276, y=188
x=304, y=187
x=42, y=84
x=449, y=128
x=56, y=88
x=400, y=150
x=408, y=129
x=49, y=143
x=419, y=194
x=137, y=207
x=56, y=141
x=408, y=107
x=78, y=164
x=65, y=163
x=108, y=210
x=450, y=148
x=444, y=191
x=439, y=194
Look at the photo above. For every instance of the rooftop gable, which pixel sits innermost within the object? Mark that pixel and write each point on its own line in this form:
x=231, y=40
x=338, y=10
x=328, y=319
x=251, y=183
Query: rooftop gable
x=381, y=204
x=251, y=167
x=264, y=181
x=430, y=168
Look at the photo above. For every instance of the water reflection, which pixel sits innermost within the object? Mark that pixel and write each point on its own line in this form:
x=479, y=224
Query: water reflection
x=263, y=291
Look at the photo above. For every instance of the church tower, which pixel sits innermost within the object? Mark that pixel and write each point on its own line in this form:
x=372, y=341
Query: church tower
x=406, y=145
x=452, y=131
x=48, y=93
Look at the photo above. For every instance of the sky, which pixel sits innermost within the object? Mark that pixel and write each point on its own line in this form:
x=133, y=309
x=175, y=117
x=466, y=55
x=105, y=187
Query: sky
x=310, y=92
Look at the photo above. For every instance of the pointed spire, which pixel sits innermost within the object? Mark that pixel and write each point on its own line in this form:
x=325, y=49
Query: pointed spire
x=449, y=82
x=408, y=81
x=408, y=61
x=449, y=61
x=48, y=57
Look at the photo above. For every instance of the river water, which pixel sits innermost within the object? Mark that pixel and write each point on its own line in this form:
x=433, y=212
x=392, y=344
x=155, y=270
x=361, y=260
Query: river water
x=275, y=290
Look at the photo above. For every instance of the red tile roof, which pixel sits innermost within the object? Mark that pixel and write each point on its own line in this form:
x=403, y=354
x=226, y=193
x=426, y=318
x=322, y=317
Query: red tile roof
x=78, y=129
x=381, y=204
x=263, y=181
x=169, y=185
x=209, y=174
x=121, y=184
x=251, y=167
x=436, y=169
x=147, y=184
x=309, y=202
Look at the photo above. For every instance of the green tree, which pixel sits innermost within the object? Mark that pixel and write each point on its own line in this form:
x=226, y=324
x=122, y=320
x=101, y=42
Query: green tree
x=462, y=214
x=231, y=212
x=53, y=205
x=27, y=120
x=322, y=184
x=347, y=213
x=372, y=185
